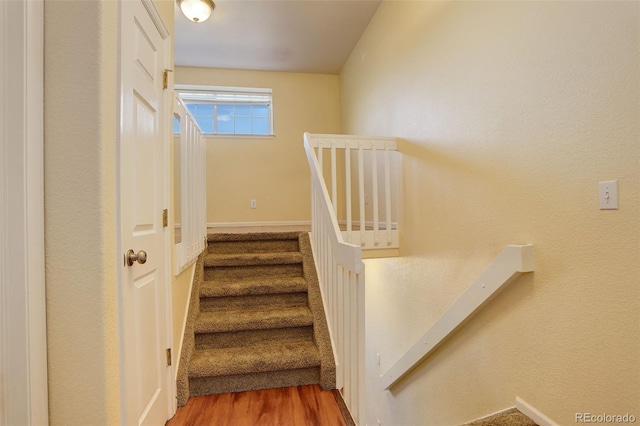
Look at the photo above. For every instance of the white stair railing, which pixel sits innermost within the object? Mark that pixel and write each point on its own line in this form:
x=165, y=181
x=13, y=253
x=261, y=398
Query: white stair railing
x=367, y=189
x=341, y=276
x=193, y=192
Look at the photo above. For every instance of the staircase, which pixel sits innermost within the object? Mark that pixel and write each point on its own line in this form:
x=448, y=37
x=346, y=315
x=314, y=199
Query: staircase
x=260, y=322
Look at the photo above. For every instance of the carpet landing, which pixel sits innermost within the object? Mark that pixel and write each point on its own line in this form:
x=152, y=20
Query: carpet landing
x=510, y=417
x=258, y=320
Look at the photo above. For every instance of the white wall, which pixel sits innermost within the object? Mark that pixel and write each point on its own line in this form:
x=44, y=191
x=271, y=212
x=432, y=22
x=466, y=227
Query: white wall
x=509, y=114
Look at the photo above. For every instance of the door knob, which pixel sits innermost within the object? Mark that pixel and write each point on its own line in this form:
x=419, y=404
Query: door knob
x=132, y=257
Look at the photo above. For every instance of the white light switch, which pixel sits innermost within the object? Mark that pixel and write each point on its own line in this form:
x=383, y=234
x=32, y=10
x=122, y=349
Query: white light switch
x=608, y=194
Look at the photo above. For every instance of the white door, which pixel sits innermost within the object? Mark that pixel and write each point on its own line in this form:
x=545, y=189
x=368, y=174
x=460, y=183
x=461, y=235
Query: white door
x=143, y=294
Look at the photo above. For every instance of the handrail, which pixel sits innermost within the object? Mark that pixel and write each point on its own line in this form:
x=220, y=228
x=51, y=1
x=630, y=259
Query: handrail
x=349, y=255
x=341, y=276
x=370, y=160
x=513, y=261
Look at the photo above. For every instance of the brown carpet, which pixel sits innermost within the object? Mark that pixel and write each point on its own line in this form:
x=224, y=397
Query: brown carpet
x=510, y=417
x=256, y=319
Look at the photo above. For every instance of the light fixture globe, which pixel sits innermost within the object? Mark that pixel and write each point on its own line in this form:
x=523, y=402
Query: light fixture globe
x=197, y=10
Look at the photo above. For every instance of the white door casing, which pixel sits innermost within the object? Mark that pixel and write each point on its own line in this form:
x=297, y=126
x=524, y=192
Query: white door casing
x=144, y=319
x=23, y=351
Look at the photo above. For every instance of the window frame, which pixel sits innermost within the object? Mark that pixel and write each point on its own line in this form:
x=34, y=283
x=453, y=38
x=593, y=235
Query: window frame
x=183, y=91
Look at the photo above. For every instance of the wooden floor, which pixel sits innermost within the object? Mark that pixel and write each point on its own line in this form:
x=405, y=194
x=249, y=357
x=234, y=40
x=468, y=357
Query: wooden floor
x=299, y=406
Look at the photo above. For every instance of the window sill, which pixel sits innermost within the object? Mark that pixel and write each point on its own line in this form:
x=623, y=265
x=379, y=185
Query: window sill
x=234, y=136
x=239, y=136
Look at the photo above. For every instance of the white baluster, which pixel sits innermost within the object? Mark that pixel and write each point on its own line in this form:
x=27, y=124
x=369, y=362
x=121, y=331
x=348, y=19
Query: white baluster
x=334, y=179
x=374, y=190
x=387, y=192
x=361, y=190
x=347, y=167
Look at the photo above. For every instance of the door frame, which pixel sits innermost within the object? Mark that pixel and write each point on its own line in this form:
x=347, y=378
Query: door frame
x=24, y=392
x=167, y=135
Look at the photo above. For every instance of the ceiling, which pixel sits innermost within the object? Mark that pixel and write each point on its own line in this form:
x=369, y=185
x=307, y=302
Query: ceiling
x=314, y=36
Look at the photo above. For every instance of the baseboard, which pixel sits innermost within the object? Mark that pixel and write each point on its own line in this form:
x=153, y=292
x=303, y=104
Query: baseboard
x=533, y=413
x=240, y=224
x=375, y=253
x=346, y=415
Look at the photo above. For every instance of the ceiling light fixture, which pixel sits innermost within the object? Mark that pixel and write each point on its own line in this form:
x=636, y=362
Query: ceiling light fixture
x=197, y=10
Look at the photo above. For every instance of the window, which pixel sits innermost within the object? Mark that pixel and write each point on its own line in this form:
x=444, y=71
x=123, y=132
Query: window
x=229, y=110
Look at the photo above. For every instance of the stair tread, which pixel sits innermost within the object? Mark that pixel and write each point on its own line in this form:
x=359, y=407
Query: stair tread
x=257, y=236
x=252, y=286
x=248, y=259
x=252, y=319
x=253, y=359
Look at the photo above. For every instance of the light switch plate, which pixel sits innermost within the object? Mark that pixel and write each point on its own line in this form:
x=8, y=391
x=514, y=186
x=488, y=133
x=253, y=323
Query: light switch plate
x=608, y=195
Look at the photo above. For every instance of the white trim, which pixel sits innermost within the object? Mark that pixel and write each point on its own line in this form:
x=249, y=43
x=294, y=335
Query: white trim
x=533, y=413
x=236, y=136
x=510, y=264
x=157, y=20
x=325, y=140
x=252, y=224
x=201, y=88
x=177, y=355
x=23, y=356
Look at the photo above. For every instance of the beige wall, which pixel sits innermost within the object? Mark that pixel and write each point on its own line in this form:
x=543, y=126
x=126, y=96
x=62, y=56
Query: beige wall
x=509, y=114
x=80, y=216
x=273, y=171
x=81, y=83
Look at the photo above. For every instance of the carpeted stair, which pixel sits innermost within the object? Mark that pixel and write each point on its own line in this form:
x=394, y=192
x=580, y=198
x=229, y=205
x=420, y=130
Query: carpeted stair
x=509, y=417
x=260, y=321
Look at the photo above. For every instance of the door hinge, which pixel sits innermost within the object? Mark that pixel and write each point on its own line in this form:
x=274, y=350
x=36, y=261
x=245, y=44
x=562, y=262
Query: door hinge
x=165, y=79
x=165, y=218
x=168, y=357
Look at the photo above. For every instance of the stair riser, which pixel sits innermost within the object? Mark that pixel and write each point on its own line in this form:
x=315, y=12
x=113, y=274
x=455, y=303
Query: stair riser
x=247, y=288
x=247, y=338
x=244, y=382
x=211, y=323
x=210, y=304
x=218, y=272
x=252, y=259
x=257, y=236
x=234, y=247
